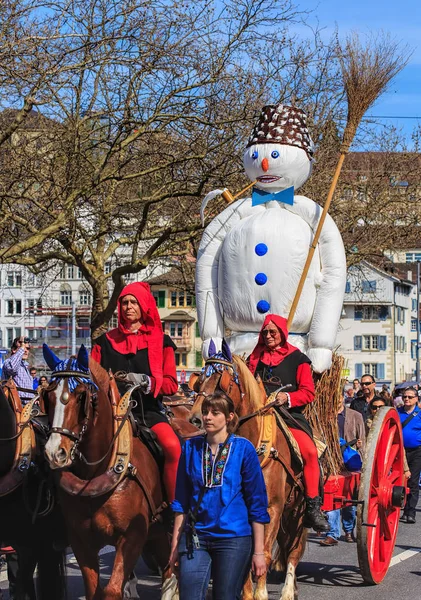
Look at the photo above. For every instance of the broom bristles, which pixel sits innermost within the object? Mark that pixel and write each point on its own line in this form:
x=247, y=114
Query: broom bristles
x=366, y=72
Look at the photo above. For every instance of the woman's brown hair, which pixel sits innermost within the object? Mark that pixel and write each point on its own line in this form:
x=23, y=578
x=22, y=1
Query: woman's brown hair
x=225, y=405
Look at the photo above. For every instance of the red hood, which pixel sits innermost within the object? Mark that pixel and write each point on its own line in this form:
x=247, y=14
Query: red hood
x=262, y=353
x=150, y=334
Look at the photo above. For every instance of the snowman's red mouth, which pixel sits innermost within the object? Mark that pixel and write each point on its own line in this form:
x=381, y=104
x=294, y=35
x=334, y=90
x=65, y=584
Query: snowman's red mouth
x=267, y=178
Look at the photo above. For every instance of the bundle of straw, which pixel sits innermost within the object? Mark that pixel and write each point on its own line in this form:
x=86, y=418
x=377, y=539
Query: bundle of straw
x=322, y=414
x=366, y=72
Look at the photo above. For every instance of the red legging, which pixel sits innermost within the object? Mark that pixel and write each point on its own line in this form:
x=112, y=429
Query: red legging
x=172, y=451
x=311, y=470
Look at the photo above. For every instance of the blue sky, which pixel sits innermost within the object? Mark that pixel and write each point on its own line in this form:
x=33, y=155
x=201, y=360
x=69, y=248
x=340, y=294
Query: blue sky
x=403, y=21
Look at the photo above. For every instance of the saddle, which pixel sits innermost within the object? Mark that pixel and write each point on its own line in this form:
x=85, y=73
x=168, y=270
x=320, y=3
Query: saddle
x=25, y=441
x=148, y=438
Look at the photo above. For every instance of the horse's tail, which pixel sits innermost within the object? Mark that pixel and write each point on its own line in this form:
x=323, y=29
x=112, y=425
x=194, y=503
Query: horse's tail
x=51, y=583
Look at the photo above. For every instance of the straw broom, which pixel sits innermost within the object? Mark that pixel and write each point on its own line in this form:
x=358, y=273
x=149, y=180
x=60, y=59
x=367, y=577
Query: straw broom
x=366, y=72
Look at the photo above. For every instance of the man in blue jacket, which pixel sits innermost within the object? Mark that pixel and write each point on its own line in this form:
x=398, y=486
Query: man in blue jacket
x=410, y=416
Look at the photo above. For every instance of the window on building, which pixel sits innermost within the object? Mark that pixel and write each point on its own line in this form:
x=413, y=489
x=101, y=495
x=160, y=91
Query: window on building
x=160, y=297
x=85, y=296
x=374, y=369
x=181, y=359
x=18, y=307
x=70, y=272
x=18, y=332
x=400, y=315
x=413, y=349
x=368, y=287
x=181, y=299
x=348, y=287
x=371, y=313
x=176, y=330
x=66, y=295
x=83, y=329
x=371, y=342
x=189, y=299
x=412, y=257
x=10, y=307
x=30, y=305
x=413, y=324
x=14, y=279
x=107, y=268
x=414, y=304
x=9, y=333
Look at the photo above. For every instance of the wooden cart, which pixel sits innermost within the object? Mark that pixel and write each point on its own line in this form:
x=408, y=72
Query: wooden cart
x=378, y=492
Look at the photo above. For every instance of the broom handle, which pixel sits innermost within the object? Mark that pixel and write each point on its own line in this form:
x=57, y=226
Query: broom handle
x=315, y=240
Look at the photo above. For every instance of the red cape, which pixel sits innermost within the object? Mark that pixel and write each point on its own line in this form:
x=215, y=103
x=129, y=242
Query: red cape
x=150, y=334
x=262, y=353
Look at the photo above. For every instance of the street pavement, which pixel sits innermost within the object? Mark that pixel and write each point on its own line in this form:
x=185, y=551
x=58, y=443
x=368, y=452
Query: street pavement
x=325, y=573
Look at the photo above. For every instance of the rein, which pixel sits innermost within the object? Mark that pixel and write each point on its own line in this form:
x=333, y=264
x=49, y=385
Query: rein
x=77, y=438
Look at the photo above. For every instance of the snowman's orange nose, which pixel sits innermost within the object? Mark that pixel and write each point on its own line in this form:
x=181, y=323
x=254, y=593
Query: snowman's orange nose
x=265, y=164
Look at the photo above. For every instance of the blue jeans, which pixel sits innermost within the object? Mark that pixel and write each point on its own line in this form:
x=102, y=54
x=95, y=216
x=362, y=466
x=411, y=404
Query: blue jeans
x=226, y=560
x=348, y=521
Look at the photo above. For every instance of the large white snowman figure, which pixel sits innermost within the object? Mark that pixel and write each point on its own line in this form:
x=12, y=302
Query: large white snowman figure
x=252, y=255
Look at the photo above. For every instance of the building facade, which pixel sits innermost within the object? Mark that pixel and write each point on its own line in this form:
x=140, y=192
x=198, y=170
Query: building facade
x=377, y=333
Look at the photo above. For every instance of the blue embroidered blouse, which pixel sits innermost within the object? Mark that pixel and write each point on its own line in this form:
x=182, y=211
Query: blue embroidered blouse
x=236, y=492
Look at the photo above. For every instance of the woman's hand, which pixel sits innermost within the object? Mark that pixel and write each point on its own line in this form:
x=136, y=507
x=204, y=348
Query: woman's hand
x=281, y=398
x=174, y=560
x=359, y=444
x=258, y=565
x=407, y=474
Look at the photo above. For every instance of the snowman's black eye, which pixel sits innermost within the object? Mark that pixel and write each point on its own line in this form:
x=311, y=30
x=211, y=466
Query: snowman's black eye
x=255, y=155
x=275, y=154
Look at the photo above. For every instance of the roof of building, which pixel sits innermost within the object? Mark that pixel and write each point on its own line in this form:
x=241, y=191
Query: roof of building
x=171, y=277
x=179, y=315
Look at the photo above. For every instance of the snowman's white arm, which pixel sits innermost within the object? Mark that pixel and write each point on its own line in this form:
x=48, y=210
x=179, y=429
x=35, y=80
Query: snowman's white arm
x=329, y=297
x=209, y=315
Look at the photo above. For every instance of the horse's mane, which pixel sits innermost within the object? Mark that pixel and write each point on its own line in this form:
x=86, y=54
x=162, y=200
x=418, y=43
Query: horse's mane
x=249, y=384
x=100, y=376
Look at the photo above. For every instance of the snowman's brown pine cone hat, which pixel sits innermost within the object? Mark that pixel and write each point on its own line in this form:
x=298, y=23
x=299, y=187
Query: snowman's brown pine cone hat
x=281, y=124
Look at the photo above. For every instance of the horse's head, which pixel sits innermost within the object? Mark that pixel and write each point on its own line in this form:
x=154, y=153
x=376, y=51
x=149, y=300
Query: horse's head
x=68, y=403
x=218, y=375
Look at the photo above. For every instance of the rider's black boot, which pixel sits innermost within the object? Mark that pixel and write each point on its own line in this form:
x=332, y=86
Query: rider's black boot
x=314, y=518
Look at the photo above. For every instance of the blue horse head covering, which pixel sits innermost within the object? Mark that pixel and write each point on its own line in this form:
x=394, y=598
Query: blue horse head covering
x=80, y=364
x=224, y=355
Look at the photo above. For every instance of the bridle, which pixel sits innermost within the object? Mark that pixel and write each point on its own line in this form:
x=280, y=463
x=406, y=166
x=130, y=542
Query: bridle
x=90, y=390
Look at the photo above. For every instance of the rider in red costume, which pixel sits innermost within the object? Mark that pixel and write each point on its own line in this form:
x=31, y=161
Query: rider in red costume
x=279, y=364
x=139, y=347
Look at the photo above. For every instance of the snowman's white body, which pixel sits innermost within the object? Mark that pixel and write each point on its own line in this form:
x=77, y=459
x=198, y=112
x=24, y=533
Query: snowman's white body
x=232, y=252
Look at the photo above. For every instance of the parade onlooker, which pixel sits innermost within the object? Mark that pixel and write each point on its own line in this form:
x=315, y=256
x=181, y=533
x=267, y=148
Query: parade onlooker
x=16, y=367
x=368, y=386
x=410, y=416
x=351, y=429
x=357, y=387
x=220, y=508
x=43, y=383
x=349, y=394
x=35, y=380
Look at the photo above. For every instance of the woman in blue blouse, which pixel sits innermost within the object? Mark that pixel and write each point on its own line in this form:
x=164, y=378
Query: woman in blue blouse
x=220, y=508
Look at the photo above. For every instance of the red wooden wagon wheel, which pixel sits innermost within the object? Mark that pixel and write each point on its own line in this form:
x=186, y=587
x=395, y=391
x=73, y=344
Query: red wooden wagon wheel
x=381, y=492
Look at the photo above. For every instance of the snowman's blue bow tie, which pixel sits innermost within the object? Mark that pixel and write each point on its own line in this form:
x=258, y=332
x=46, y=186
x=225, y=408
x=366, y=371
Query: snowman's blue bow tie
x=261, y=197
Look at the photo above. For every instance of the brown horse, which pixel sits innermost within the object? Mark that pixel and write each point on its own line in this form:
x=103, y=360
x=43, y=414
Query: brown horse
x=109, y=483
x=30, y=518
x=230, y=375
